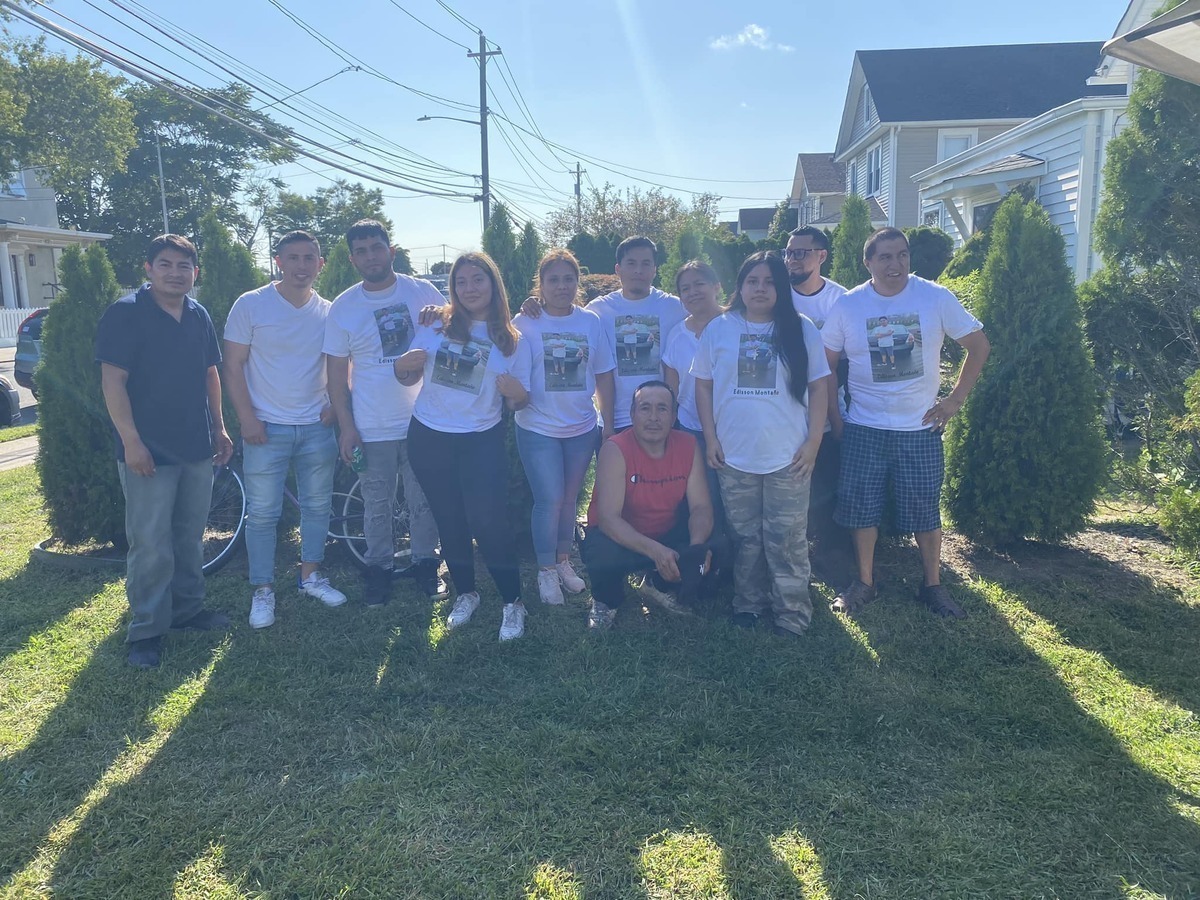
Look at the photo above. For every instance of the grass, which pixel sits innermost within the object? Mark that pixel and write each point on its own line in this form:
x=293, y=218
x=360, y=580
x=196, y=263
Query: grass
x=17, y=432
x=1047, y=746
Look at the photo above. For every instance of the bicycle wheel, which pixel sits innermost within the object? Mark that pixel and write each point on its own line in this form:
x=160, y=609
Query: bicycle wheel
x=226, y=519
x=346, y=525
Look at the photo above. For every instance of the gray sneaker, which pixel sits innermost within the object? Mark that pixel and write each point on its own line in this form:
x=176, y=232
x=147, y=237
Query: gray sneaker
x=665, y=599
x=464, y=607
x=600, y=617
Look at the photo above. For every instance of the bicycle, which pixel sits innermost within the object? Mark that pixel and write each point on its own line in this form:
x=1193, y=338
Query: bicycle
x=226, y=525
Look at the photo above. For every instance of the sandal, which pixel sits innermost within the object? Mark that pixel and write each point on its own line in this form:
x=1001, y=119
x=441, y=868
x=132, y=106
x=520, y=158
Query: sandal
x=938, y=599
x=851, y=601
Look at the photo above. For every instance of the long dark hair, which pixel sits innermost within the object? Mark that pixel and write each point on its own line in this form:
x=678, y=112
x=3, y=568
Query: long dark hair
x=499, y=321
x=789, y=327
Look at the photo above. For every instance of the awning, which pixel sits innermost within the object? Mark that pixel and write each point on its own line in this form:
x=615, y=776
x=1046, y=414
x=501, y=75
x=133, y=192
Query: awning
x=1169, y=43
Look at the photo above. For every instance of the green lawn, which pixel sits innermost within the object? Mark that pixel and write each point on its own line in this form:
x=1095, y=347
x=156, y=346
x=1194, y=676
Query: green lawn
x=1048, y=746
x=17, y=432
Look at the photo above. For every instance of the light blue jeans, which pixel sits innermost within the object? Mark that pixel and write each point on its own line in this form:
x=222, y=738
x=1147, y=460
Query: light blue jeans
x=555, y=468
x=313, y=451
x=164, y=523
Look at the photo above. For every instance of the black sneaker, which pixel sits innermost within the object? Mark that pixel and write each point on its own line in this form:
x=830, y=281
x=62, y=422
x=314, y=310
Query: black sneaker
x=377, y=588
x=205, y=620
x=744, y=619
x=426, y=573
x=146, y=653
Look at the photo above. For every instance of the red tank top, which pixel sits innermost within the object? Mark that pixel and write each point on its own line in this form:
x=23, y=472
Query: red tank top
x=654, y=488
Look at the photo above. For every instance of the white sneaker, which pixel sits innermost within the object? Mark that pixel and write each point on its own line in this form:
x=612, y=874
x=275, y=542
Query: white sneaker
x=262, y=607
x=600, y=616
x=464, y=608
x=549, y=588
x=570, y=580
x=317, y=585
x=513, y=624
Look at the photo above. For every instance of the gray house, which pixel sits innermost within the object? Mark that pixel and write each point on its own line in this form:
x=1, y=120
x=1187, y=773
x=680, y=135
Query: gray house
x=908, y=110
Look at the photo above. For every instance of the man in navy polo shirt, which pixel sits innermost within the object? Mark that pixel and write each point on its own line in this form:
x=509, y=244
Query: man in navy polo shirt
x=158, y=356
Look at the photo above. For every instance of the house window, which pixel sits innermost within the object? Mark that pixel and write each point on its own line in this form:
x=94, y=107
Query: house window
x=982, y=216
x=14, y=186
x=874, y=170
x=866, y=105
x=933, y=217
x=953, y=141
x=854, y=177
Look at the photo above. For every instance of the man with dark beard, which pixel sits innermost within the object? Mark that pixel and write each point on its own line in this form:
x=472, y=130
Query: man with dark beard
x=813, y=296
x=370, y=325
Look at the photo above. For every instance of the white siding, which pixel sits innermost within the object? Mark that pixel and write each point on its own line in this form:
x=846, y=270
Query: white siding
x=863, y=121
x=916, y=150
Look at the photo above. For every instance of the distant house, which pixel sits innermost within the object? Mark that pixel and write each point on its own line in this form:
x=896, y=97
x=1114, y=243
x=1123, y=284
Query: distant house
x=1059, y=153
x=755, y=224
x=31, y=241
x=818, y=187
x=908, y=110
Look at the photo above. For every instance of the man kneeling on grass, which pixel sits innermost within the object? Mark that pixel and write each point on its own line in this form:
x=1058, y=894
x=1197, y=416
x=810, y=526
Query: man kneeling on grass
x=650, y=510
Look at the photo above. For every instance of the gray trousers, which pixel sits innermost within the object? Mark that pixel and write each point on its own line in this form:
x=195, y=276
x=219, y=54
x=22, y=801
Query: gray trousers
x=768, y=517
x=387, y=461
x=164, y=523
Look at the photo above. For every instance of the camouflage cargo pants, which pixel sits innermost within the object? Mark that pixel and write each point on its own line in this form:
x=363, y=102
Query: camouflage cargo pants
x=768, y=517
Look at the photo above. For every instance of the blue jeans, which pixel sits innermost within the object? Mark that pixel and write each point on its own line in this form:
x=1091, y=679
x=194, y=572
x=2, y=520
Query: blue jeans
x=313, y=451
x=164, y=523
x=555, y=468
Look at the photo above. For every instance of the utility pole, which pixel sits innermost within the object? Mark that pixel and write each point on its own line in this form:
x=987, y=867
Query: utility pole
x=482, y=56
x=578, y=198
x=162, y=185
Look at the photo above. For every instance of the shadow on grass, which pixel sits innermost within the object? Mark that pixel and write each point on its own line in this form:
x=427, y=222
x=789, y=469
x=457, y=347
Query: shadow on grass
x=960, y=764
x=1144, y=629
x=38, y=595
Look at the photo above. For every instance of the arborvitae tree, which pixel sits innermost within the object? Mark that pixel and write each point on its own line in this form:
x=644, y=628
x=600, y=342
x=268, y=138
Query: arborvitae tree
x=782, y=223
x=75, y=451
x=523, y=267
x=227, y=271
x=971, y=256
x=848, y=240
x=597, y=255
x=929, y=251
x=339, y=273
x=1026, y=457
x=689, y=245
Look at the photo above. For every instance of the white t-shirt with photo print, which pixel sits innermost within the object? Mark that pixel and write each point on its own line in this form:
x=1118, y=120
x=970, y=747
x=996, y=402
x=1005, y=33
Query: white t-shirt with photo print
x=894, y=392
x=372, y=328
x=818, y=305
x=566, y=354
x=458, y=389
x=759, y=423
x=635, y=330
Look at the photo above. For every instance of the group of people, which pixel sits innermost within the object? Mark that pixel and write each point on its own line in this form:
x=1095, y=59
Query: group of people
x=722, y=436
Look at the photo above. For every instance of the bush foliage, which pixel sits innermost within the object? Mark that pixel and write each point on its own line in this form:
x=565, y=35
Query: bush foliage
x=930, y=250
x=75, y=452
x=848, y=240
x=1026, y=457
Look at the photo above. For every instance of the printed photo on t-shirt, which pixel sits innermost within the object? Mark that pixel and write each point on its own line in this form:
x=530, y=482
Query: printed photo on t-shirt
x=639, y=350
x=461, y=365
x=895, y=345
x=395, y=326
x=758, y=362
x=565, y=360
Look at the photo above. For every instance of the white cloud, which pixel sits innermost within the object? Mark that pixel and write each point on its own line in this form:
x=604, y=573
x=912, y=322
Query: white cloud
x=753, y=36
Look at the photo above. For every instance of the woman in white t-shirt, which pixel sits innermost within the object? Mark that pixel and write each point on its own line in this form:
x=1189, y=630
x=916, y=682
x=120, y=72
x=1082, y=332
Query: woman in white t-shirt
x=697, y=285
x=474, y=364
x=557, y=433
x=763, y=425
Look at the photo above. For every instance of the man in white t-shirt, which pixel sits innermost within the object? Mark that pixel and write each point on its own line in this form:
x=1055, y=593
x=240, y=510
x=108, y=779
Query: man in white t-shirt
x=369, y=327
x=893, y=426
x=275, y=378
x=636, y=320
x=814, y=296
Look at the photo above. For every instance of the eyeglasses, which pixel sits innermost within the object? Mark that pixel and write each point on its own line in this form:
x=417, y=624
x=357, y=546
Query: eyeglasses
x=802, y=253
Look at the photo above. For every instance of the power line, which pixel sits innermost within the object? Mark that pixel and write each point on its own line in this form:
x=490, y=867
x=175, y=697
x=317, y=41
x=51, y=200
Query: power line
x=429, y=27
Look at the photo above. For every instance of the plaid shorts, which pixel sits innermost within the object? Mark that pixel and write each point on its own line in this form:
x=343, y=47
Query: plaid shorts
x=912, y=460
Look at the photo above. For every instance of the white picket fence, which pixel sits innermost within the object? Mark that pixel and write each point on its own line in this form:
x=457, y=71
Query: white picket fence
x=10, y=321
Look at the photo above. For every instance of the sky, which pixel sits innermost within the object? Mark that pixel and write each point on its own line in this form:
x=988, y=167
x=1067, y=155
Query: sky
x=706, y=95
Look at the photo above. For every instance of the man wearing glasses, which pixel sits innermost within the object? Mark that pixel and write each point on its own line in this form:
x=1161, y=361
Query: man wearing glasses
x=813, y=296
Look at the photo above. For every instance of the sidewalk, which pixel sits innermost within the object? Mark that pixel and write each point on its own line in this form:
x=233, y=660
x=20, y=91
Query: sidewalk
x=14, y=454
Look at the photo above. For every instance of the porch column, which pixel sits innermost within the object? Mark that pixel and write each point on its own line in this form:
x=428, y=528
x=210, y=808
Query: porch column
x=21, y=276
x=6, y=277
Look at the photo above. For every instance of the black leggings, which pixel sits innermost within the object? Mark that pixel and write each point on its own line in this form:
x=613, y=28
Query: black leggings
x=465, y=479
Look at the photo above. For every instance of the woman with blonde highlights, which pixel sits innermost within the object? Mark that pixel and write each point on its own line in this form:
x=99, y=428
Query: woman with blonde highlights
x=474, y=364
x=557, y=433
